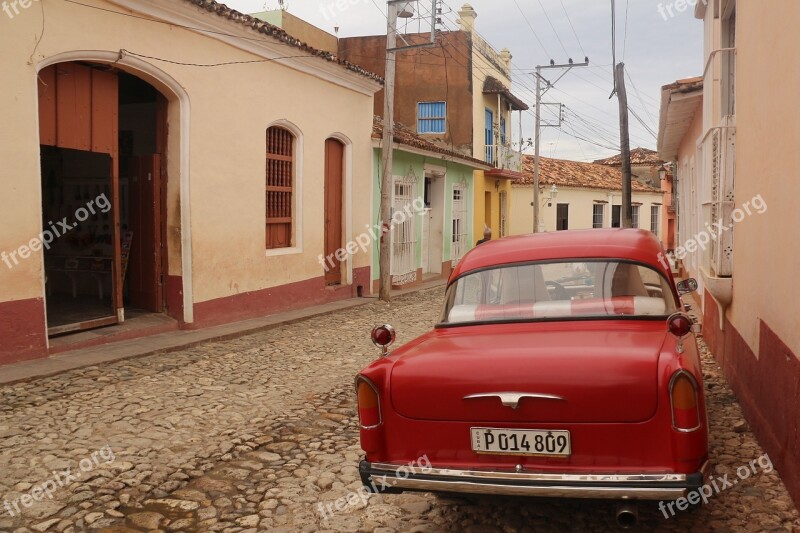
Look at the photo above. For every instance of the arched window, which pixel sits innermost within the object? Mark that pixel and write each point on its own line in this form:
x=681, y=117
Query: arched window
x=280, y=187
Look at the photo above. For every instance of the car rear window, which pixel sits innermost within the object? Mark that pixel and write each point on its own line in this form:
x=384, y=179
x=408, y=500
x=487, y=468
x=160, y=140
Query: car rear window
x=559, y=290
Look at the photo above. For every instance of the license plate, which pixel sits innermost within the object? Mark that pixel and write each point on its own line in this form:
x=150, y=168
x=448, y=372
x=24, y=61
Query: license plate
x=521, y=441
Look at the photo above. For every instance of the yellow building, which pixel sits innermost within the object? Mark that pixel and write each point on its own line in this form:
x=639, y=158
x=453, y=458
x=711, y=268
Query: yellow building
x=491, y=130
x=172, y=164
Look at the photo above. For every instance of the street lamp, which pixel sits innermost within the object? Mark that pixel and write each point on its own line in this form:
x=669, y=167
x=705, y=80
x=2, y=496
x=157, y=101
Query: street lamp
x=546, y=199
x=405, y=10
x=662, y=173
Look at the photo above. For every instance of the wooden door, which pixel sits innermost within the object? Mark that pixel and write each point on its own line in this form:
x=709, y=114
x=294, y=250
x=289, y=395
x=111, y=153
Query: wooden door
x=144, y=267
x=334, y=171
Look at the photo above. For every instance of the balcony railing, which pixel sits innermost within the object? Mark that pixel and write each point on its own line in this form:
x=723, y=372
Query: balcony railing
x=503, y=157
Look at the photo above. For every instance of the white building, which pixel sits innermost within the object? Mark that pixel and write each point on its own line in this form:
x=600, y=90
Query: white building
x=576, y=195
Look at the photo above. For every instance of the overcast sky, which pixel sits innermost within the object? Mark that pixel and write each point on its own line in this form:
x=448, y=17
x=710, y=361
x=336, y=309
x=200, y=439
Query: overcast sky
x=655, y=51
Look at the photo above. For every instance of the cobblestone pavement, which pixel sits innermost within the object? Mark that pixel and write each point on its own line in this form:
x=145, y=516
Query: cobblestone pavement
x=253, y=434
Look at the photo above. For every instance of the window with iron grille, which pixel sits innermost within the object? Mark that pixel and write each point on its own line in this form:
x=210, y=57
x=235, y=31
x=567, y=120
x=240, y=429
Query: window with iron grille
x=634, y=216
x=598, y=210
x=279, y=187
x=655, y=215
x=431, y=117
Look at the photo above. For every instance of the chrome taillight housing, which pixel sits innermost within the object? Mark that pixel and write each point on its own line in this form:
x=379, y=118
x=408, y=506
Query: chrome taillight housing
x=369, y=404
x=383, y=336
x=680, y=325
x=684, y=402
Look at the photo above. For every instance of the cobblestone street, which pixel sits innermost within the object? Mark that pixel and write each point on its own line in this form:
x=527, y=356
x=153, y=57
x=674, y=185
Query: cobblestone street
x=254, y=434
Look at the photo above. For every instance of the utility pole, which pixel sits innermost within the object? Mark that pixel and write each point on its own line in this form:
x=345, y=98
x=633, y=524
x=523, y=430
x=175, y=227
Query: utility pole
x=625, y=146
x=388, y=155
x=537, y=148
x=537, y=145
x=384, y=261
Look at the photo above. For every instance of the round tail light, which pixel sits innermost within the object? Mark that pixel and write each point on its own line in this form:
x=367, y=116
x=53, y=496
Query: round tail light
x=383, y=336
x=679, y=325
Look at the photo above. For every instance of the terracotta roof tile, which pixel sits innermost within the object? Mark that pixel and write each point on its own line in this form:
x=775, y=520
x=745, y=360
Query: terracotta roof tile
x=564, y=173
x=639, y=156
x=405, y=135
x=278, y=34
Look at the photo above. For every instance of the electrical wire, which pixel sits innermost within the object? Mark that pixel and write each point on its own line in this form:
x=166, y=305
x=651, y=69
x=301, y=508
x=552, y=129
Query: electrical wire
x=575, y=134
x=625, y=38
x=532, y=30
x=553, y=28
x=573, y=29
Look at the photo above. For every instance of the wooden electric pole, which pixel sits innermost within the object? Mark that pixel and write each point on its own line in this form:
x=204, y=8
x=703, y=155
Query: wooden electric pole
x=387, y=183
x=625, y=146
x=388, y=152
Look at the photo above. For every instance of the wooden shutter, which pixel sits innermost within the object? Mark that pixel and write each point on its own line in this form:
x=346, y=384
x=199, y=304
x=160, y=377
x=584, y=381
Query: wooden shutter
x=280, y=187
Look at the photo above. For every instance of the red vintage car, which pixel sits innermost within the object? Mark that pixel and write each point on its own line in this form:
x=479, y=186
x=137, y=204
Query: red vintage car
x=563, y=366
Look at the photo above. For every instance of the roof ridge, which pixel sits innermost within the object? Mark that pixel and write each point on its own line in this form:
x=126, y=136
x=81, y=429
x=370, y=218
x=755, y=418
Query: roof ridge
x=279, y=34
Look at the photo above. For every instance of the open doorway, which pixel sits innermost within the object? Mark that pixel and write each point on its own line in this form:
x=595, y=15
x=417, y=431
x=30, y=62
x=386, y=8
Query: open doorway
x=78, y=223
x=103, y=140
x=433, y=229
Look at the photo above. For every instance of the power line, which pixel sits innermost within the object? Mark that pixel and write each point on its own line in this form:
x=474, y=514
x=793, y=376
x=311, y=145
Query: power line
x=614, y=39
x=532, y=30
x=525, y=88
x=553, y=28
x=625, y=38
x=638, y=118
x=573, y=28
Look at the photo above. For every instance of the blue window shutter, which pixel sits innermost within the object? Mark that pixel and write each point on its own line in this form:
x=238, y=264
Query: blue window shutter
x=431, y=117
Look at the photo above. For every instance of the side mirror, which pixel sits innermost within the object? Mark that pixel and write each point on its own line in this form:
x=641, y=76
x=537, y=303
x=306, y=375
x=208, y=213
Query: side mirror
x=686, y=286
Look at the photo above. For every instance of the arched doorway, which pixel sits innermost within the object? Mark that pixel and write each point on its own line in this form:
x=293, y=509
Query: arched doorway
x=103, y=142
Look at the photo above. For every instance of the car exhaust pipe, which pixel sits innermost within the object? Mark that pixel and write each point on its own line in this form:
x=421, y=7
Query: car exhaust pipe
x=627, y=515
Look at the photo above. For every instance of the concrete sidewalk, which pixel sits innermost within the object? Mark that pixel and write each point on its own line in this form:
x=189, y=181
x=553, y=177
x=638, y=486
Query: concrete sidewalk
x=176, y=340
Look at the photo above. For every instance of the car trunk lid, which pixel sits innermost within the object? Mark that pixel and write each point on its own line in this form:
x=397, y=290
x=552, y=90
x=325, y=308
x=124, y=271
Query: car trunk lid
x=543, y=374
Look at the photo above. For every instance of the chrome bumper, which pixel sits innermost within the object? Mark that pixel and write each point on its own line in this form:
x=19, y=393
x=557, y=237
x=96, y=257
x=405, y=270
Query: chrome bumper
x=382, y=477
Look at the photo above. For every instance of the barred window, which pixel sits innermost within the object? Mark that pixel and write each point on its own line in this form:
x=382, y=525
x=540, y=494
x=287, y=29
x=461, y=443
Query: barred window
x=280, y=187
x=655, y=215
x=598, y=210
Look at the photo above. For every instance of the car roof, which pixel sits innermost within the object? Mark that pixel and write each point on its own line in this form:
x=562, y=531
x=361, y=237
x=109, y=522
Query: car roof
x=636, y=245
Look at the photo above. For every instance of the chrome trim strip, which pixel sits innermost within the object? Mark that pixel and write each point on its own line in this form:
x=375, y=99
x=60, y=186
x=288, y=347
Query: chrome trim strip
x=641, y=493
x=600, y=486
x=405, y=470
x=511, y=399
